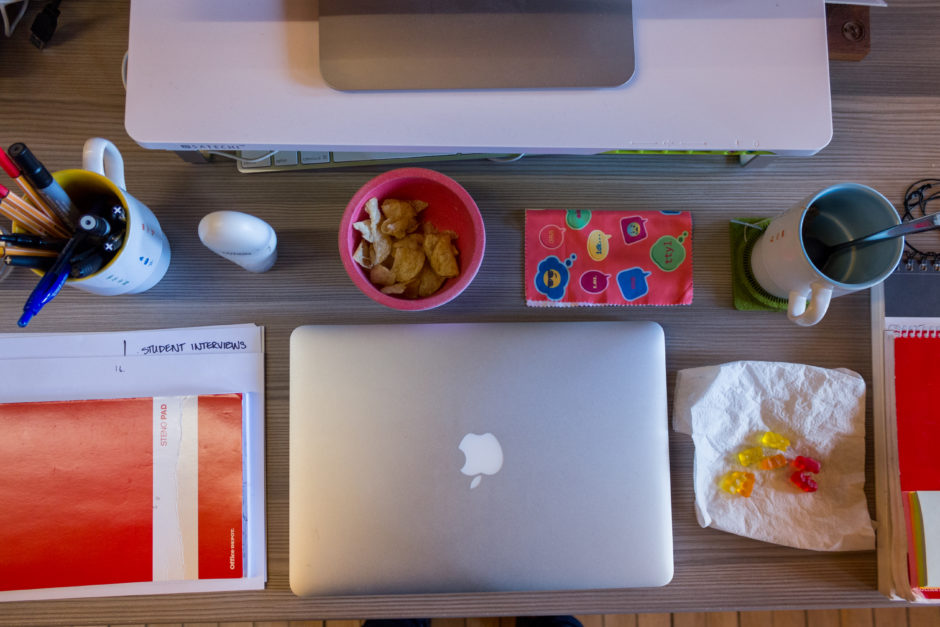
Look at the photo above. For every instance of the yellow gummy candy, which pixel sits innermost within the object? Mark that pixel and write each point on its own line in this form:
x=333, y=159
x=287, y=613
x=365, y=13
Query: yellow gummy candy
x=775, y=440
x=751, y=456
x=736, y=482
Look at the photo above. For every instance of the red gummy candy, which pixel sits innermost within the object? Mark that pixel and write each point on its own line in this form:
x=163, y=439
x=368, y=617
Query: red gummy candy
x=806, y=463
x=803, y=481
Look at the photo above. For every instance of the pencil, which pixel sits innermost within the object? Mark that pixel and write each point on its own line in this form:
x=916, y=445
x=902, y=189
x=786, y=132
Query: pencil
x=20, y=251
x=12, y=212
x=44, y=183
x=52, y=224
x=14, y=172
x=31, y=218
x=24, y=220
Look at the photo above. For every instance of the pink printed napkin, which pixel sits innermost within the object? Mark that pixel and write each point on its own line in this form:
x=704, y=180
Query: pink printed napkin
x=583, y=257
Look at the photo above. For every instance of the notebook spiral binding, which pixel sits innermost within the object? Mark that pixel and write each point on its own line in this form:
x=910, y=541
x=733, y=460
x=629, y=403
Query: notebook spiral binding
x=914, y=332
x=916, y=200
x=919, y=262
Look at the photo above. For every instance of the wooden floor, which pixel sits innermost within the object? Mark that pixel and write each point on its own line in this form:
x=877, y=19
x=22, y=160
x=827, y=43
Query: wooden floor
x=881, y=617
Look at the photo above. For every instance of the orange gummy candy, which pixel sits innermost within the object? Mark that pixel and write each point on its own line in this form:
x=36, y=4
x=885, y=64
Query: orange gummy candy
x=774, y=461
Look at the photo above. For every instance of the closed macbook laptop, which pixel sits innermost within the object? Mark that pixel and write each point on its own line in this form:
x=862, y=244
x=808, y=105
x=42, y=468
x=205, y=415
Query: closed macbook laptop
x=478, y=457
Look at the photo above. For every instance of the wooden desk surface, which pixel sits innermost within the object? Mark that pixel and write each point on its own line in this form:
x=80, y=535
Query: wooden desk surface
x=887, y=133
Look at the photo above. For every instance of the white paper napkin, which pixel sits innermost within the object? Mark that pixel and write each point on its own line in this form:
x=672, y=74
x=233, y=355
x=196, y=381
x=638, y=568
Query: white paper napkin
x=728, y=407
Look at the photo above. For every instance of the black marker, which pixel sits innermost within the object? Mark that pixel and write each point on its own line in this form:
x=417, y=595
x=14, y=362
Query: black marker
x=33, y=241
x=47, y=187
x=118, y=214
x=113, y=243
x=94, y=225
x=89, y=265
x=39, y=263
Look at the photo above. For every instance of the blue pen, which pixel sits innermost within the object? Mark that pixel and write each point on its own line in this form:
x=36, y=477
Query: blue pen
x=51, y=282
x=49, y=285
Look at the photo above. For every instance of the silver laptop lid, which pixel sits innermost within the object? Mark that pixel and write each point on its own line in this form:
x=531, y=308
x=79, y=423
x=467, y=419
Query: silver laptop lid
x=475, y=44
x=478, y=457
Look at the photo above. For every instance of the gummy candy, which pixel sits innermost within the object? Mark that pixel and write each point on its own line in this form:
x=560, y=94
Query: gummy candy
x=806, y=463
x=803, y=481
x=775, y=440
x=737, y=482
x=751, y=456
x=774, y=461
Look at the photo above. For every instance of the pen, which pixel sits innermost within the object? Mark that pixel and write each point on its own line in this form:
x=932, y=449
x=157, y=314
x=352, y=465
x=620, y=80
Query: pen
x=40, y=178
x=94, y=225
x=86, y=266
x=33, y=241
x=113, y=243
x=38, y=263
x=50, y=284
x=118, y=214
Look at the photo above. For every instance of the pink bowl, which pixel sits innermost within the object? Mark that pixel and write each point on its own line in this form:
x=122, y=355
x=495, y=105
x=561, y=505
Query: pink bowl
x=449, y=207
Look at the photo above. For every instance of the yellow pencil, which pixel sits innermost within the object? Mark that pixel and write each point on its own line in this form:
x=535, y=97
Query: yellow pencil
x=27, y=252
x=14, y=172
x=31, y=217
x=30, y=192
x=23, y=220
x=38, y=214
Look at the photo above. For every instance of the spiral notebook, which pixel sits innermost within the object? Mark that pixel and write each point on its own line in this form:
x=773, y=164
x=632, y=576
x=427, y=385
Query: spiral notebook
x=133, y=462
x=905, y=342
x=160, y=478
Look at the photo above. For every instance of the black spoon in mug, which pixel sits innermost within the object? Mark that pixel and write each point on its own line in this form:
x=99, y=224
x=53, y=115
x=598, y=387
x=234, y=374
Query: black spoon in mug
x=821, y=254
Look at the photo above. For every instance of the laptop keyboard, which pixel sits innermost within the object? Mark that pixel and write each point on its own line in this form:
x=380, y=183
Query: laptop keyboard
x=286, y=160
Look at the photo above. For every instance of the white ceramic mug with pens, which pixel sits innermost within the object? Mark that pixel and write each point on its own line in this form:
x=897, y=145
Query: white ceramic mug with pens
x=144, y=253
x=782, y=266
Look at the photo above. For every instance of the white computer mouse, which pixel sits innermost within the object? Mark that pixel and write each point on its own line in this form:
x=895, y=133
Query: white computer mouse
x=241, y=238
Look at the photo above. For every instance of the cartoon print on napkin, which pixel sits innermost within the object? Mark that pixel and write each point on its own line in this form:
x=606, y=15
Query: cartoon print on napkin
x=581, y=257
x=551, y=279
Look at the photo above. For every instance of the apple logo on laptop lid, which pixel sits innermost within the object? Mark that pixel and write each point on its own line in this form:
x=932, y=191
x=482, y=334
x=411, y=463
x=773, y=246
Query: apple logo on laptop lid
x=483, y=454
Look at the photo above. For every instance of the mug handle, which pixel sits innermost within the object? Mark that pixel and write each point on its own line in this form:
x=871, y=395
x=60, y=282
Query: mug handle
x=819, y=297
x=102, y=157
